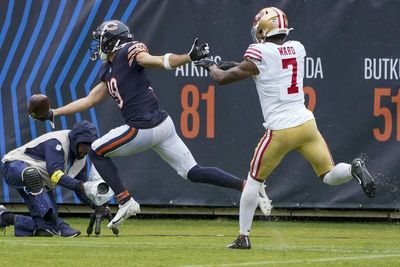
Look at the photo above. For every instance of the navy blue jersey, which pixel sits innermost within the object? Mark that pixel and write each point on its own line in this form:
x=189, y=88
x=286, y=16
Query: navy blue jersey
x=129, y=84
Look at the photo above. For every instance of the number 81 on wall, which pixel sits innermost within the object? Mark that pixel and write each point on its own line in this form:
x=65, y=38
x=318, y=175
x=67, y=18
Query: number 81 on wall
x=191, y=99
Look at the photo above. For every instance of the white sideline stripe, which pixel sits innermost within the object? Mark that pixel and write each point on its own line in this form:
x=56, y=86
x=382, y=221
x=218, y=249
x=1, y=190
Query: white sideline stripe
x=298, y=261
x=91, y=242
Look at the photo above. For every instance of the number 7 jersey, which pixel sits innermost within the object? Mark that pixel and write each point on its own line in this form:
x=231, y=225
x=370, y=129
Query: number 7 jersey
x=280, y=83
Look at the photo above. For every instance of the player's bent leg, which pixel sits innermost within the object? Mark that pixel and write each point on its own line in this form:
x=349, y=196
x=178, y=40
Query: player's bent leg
x=339, y=174
x=361, y=173
x=130, y=208
x=119, y=142
x=107, y=170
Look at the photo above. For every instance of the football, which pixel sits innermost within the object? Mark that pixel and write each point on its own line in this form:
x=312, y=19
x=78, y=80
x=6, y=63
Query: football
x=39, y=106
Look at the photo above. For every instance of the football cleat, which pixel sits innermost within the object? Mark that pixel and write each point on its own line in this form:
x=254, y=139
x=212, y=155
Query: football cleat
x=264, y=202
x=53, y=231
x=124, y=212
x=3, y=224
x=242, y=242
x=42, y=233
x=67, y=231
x=360, y=172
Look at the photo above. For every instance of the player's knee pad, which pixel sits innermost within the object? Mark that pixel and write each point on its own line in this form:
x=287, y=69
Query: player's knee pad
x=32, y=180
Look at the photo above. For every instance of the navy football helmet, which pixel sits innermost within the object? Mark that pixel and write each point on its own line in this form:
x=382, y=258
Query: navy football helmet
x=110, y=35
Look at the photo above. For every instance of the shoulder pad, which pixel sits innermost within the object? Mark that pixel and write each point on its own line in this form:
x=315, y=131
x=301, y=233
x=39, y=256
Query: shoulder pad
x=253, y=52
x=134, y=49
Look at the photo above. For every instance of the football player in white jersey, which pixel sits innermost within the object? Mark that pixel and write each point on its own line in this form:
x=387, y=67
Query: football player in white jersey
x=277, y=67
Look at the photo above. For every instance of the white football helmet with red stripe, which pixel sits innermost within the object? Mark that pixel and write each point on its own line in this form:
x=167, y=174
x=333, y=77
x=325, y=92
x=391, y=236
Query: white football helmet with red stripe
x=269, y=21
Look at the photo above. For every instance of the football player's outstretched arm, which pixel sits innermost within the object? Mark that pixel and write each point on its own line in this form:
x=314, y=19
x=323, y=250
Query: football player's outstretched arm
x=98, y=93
x=169, y=60
x=245, y=69
x=149, y=61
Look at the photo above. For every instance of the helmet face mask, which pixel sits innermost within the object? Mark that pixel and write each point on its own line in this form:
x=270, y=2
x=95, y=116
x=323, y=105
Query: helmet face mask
x=268, y=22
x=109, y=37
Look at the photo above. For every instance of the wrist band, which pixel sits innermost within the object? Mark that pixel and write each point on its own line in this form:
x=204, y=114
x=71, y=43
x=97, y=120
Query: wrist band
x=167, y=66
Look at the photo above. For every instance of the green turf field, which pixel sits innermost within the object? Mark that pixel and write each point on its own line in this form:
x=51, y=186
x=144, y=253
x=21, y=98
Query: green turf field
x=184, y=242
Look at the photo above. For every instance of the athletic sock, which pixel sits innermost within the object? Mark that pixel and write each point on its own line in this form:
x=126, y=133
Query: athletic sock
x=339, y=174
x=107, y=171
x=248, y=205
x=123, y=197
x=214, y=176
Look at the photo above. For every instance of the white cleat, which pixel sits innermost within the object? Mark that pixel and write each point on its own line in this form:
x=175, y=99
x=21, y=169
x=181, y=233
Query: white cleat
x=124, y=212
x=264, y=202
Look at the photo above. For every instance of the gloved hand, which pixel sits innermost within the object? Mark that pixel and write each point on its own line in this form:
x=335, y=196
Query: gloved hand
x=205, y=63
x=49, y=117
x=198, y=52
x=80, y=192
x=226, y=65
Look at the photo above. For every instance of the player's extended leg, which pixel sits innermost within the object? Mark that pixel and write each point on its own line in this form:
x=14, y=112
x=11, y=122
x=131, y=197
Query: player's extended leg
x=268, y=154
x=316, y=151
x=119, y=142
x=172, y=150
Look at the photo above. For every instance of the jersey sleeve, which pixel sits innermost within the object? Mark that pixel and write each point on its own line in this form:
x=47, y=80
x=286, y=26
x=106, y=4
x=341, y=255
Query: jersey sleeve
x=253, y=53
x=134, y=49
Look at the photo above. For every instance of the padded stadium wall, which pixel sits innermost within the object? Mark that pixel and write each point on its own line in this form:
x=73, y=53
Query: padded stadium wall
x=351, y=84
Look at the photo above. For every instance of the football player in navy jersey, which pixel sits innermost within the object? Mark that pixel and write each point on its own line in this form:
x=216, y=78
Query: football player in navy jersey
x=147, y=126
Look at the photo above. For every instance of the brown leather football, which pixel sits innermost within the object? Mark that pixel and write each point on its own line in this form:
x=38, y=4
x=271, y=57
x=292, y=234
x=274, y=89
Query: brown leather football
x=39, y=106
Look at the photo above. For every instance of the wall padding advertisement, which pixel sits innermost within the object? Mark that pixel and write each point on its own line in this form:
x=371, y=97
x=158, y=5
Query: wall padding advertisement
x=351, y=84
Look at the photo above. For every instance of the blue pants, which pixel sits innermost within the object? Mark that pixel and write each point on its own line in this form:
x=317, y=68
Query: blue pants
x=38, y=205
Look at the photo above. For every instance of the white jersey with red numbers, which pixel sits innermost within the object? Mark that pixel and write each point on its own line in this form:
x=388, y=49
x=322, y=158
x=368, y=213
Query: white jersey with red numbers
x=280, y=83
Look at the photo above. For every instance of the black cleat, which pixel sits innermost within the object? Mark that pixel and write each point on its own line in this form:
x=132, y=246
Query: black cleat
x=67, y=231
x=3, y=224
x=242, y=242
x=360, y=172
x=43, y=233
